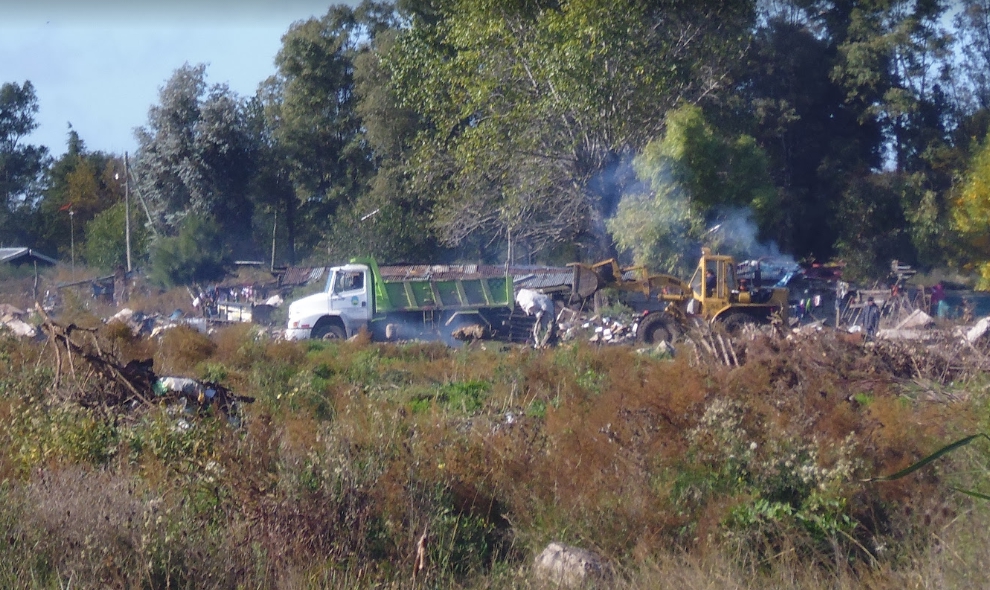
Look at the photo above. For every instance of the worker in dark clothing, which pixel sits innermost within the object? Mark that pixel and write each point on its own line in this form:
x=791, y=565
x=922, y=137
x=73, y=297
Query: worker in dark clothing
x=871, y=319
x=710, y=283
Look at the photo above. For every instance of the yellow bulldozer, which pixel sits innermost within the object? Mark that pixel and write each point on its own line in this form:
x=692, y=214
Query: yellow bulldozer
x=669, y=304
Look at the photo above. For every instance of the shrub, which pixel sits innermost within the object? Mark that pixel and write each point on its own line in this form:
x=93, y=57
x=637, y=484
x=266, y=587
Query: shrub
x=197, y=254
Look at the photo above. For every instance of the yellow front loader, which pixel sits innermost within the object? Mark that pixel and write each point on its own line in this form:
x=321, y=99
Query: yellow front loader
x=668, y=303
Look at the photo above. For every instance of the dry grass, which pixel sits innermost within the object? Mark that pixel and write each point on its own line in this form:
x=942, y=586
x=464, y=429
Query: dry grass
x=701, y=476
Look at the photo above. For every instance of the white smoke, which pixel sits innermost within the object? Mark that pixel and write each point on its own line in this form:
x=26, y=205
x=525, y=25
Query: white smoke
x=736, y=234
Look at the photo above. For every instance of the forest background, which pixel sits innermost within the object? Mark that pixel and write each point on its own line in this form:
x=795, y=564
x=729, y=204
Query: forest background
x=546, y=131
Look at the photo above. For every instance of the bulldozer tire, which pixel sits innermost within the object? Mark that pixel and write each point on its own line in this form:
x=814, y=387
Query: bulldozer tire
x=734, y=322
x=657, y=328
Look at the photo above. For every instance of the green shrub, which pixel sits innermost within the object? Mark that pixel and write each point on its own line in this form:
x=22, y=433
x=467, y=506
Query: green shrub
x=197, y=255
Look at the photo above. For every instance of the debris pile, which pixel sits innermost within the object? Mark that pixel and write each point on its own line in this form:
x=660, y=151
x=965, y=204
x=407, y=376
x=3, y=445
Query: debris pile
x=572, y=325
x=78, y=355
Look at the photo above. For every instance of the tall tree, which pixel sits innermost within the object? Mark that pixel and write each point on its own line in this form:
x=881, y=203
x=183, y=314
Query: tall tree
x=81, y=182
x=973, y=36
x=531, y=108
x=312, y=131
x=815, y=141
x=196, y=155
x=971, y=213
x=21, y=166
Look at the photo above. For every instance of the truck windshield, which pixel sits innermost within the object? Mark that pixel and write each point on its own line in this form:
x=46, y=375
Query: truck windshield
x=351, y=280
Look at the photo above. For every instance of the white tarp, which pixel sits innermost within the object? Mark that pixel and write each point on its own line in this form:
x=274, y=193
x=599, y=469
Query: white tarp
x=917, y=319
x=534, y=302
x=978, y=330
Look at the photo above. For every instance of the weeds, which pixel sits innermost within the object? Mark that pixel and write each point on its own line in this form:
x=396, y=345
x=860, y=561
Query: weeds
x=356, y=451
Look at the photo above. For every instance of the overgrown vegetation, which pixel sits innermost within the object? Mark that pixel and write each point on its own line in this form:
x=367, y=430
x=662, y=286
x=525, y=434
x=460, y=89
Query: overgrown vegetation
x=673, y=470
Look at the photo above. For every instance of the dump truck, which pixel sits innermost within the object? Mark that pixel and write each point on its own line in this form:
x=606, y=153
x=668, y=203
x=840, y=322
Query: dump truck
x=405, y=302
x=669, y=304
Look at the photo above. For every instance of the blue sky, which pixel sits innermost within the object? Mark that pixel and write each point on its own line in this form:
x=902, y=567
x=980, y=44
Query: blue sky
x=98, y=64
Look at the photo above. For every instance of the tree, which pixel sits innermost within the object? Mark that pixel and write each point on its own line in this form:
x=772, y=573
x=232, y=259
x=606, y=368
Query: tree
x=318, y=161
x=21, y=166
x=971, y=213
x=401, y=230
x=531, y=111
x=973, y=28
x=695, y=178
x=197, y=254
x=105, y=245
x=816, y=144
x=83, y=182
x=196, y=155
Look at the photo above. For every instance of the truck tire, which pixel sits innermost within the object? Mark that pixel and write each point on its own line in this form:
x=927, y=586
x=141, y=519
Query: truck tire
x=328, y=331
x=657, y=328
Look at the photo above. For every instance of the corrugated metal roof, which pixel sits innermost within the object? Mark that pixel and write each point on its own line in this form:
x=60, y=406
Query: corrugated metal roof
x=14, y=254
x=543, y=278
x=301, y=275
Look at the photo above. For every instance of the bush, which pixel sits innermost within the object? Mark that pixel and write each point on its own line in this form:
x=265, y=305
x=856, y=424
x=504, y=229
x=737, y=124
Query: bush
x=197, y=254
x=106, y=241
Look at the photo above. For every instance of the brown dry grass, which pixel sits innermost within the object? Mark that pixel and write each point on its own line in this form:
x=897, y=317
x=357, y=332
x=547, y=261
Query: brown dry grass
x=354, y=449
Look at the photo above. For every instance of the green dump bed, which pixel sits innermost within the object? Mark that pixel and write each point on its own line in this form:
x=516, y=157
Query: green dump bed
x=451, y=287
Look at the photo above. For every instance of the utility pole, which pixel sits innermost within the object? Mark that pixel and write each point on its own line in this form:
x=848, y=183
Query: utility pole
x=274, y=227
x=72, y=241
x=127, y=214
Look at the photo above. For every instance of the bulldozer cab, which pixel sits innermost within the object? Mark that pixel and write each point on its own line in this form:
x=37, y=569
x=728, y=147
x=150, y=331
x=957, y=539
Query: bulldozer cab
x=714, y=283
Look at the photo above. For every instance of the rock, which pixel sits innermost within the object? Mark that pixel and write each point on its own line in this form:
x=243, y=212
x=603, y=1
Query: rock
x=19, y=327
x=570, y=567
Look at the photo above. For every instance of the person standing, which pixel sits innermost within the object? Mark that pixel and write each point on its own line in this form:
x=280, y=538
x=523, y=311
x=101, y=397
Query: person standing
x=871, y=319
x=938, y=295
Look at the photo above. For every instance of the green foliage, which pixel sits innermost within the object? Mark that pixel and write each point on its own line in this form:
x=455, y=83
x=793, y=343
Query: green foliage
x=465, y=396
x=196, y=155
x=529, y=110
x=875, y=229
x=971, y=213
x=198, y=254
x=21, y=165
x=695, y=177
x=106, y=244
x=781, y=479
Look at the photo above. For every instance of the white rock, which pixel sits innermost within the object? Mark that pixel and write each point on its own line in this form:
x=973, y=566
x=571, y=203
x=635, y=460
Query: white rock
x=20, y=328
x=570, y=567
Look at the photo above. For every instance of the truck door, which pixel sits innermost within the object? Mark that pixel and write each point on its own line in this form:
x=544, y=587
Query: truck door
x=349, y=296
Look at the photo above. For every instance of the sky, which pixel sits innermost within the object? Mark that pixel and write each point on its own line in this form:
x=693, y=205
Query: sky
x=99, y=64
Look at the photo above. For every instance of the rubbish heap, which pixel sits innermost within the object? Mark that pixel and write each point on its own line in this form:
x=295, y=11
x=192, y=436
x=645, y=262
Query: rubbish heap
x=128, y=386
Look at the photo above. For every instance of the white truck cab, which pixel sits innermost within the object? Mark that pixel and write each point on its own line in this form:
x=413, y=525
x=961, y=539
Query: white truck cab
x=339, y=311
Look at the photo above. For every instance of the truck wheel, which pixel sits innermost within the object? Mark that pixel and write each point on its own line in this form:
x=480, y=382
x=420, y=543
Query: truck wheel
x=657, y=328
x=328, y=332
x=735, y=322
